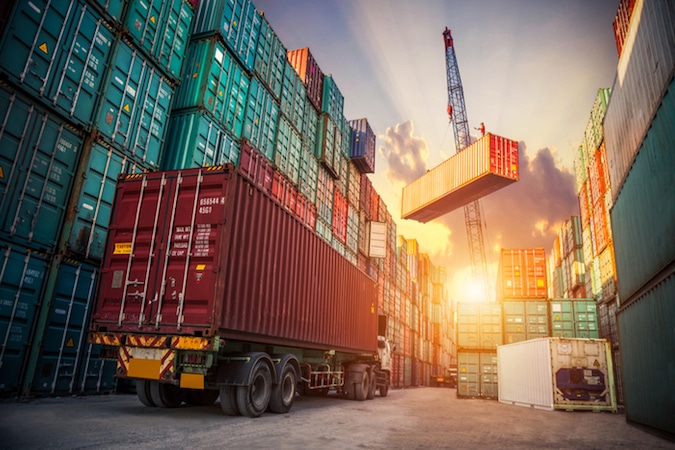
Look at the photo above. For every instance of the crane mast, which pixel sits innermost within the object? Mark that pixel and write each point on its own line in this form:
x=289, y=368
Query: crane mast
x=460, y=124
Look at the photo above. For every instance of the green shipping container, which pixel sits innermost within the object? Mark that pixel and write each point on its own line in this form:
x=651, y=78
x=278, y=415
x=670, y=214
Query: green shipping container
x=477, y=374
x=479, y=325
x=574, y=318
x=270, y=58
x=195, y=139
x=309, y=174
x=261, y=119
x=332, y=101
x=287, y=150
x=647, y=341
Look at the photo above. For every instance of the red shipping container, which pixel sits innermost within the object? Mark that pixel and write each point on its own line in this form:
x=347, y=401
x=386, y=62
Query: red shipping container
x=365, y=194
x=301, y=207
x=584, y=204
x=254, y=166
x=340, y=209
x=600, y=226
x=310, y=218
x=309, y=72
x=239, y=266
x=374, y=205
x=290, y=196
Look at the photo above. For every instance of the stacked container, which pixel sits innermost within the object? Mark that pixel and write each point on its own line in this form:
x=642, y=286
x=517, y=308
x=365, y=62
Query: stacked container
x=567, y=268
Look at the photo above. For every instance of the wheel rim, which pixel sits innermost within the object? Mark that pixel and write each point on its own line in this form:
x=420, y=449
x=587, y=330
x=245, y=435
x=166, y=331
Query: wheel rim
x=259, y=390
x=288, y=388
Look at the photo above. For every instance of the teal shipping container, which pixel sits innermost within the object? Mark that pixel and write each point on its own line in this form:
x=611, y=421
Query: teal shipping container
x=64, y=359
x=643, y=215
x=525, y=320
x=261, y=119
x=574, y=318
x=646, y=341
x=22, y=277
x=270, y=58
x=479, y=325
x=111, y=9
x=161, y=28
x=58, y=52
x=287, y=150
x=477, y=374
x=39, y=154
x=332, y=101
x=308, y=176
x=293, y=97
x=86, y=227
x=135, y=105
x=328, y=139
x=216, y=82
x=310, y=126
x=195, y=139
x=238, y=23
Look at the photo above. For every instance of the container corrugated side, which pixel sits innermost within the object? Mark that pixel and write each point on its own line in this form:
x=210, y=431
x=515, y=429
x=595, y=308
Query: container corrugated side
x=58, y=52
x=646, y=342
x=332, y=100
x=525, y=374
x=522, y=273
x=485, y=166
x=64, y=353
x=270, y=59
x=310, y=73
x=477, y=374
x=86, y=223
x=287, y=150
x=362, y=148
x=161, y=30
x=260, y=119
x=643, y=216
x=293, y=98
x=22, y=277
x=644, y=71
x=328, y=138
x=39, y=154
x=308, y=175
x=221, y=234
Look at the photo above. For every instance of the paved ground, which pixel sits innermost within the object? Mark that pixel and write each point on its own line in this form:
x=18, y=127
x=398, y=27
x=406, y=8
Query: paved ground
x=418, y=418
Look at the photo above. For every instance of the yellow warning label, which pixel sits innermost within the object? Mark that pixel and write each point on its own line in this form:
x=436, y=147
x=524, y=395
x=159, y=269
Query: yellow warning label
x=596, y=363
x=540, y=283
x=70, y=343
x=122, y=248
x=2, y=173
x=126, y=108
x=152, y=19
x=43, y=47
x=201, y=266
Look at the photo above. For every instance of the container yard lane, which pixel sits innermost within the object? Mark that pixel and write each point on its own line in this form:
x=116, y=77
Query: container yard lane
x=407, y=418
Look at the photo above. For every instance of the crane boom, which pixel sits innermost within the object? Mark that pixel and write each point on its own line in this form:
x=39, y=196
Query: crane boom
x=460, y=124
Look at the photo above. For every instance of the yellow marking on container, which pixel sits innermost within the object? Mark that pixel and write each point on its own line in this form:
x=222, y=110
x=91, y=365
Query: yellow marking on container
x=192, y=380
x=2, y=173
x=122, y=248
x=70, y=343
x=152, y=19
x=127, y=108
x=190, y=343
x=144, y=368
x=44, y=48
x=201, y=266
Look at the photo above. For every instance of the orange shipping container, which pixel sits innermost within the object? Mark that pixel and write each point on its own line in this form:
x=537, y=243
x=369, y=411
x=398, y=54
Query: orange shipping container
x=522, y=273
x=483, y=167
x=309, y=72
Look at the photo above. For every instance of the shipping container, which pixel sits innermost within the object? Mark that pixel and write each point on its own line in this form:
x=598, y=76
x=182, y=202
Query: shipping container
x=58, y=52
x=557, y=373
x=332, y=101
x=195, y=139
x=643, y=75
x=112, y=9
x=325, y=196
x=293, y=98
x=237, y=21
x=646, y=341
x=477, y=375
x=574, y=318
x=643, y=217
x=287, y=150
x=162, y=30
x=216, y=82
x=261, y=119
x=255, y=167
x=65, y=361
x=310, y=73
x=86, y=222
x=39, y=154
x=621, y=23
x=309, y=174
x=328, y=139
x=362, y=148
x=135, y=103
x=270, y=58
x=522, y=273
x=479, y=325
x=485, y=166
x=22, y=277
x=525, y=319
x=310, y=126
x=594, y=134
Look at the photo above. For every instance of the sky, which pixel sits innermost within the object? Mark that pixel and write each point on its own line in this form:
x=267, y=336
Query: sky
x=530, y=70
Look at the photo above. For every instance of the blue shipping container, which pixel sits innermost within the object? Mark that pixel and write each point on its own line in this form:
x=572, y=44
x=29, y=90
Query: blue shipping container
x=196, y=140
x=22, y=276
x=87, y=233
x=39, y=154
x=362, y=148
x=64, y=348
x=261, y=119
x=58, y=52
x=238, y=23
x=162, y=29
x=135, y=105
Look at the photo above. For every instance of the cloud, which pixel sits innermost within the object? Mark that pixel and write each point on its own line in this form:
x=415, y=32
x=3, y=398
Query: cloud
x=406, y=155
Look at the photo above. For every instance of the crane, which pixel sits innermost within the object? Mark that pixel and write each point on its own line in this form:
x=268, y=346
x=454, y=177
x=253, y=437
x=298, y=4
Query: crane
x=460, y=124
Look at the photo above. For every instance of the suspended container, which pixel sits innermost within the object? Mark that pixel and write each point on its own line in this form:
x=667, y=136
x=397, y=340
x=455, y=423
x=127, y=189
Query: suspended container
x=260, y=119
x=557, y=373
x=162, y=30
x=22, y=277
x=310, y=73
x=195, y=139
x=362, y=145
x=39, y=154
x=86, y=224
x=135, y=105
x=58, y=52
x=483, y=167
x=237, y=21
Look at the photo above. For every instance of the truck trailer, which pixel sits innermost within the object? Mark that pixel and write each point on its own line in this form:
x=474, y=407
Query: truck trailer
x=210, y=288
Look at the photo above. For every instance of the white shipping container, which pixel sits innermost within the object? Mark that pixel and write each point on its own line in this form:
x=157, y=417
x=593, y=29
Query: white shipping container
x=645, y=67
x=557, y=373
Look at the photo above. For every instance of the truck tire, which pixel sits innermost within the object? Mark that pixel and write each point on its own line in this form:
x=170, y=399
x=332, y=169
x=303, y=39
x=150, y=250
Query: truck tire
x=361, y=389
x=197, y=397
x=165, y=395
x=283, y=393
x=253, y=399
x=373, y=384
x=384, y=390
x=143, y=392
x=228, y=400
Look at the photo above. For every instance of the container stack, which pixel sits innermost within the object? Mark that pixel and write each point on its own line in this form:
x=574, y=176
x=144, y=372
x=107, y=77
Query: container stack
x=86, y=90
x=638, y=128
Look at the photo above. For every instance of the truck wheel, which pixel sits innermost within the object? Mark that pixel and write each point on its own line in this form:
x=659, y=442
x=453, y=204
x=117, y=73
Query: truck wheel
x=283, y=394
x=252, y=400
x=384, y=390
x=373, y=384
x=165, y=395
x=198, y=397
x=361, y=389
x=228, y=400
x=143, y=392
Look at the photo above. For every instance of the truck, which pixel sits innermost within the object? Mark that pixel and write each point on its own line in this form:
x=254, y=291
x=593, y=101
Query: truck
x=446, y=379
x=210, y=288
